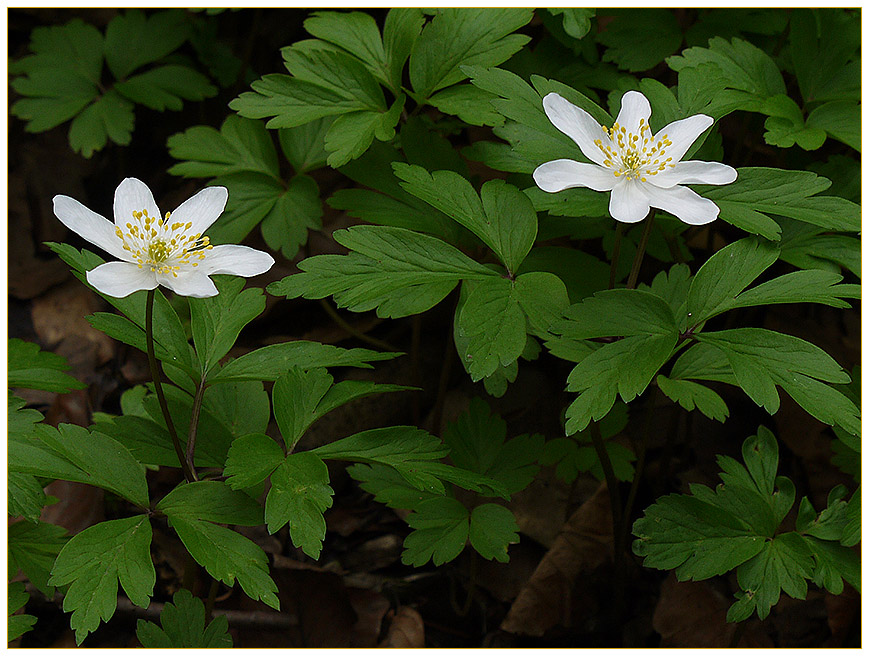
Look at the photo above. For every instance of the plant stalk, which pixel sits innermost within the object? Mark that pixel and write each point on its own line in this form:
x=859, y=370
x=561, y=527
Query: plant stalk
x=610, y=476
x=617, y=247
x=641, y=250
x=158, y=386
x=194, y=424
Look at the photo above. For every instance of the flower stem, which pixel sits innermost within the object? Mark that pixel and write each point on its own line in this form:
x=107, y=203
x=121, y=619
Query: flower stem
x=612, y=483
x=641, y=250
x=617, y=246
x=158, y=385
x=194, y=423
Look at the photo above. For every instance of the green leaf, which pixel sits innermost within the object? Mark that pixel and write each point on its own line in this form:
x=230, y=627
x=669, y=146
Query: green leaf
x=576, y=22
x=492, y=529
x=25, y=496
x=388, y=486
x=351, y=134
x=404, y=448
x=833, y=562
x=692, y=395
x=110, y=117
x=824, y=44
x=397, y=271
x=72, y=453
x=132, y=40
x=304, y=146
x=745, y=66
x=183, y=626
x=33, y=548
x=251, y=460
x=441, y=530
x=625, y=367
x=93, y=562
x=211, y=501
x=494, y=325
x=543, y=298
x=243, y=406
x=786, y=126
x=357, y=33
x=30, y=367
x=295, y=397
x=424, y=145
x=839, y=119
x=502, y=216
x=241, y=145
x=464, y=36
x=478, y=442
x=851, y=531
x=164, y=87
x=400, y=31
x=300, y=494
x=17, y=625
x=657, y=30
x=759, y=192
x=617, y=313
x=61, y=76
x=818, y=251
x=217, y=321
x=783, y=565
x=469, y=103
x=761, y=358
x=725, y=275
x=807, y=286
x=228, y=556
x=318, y=63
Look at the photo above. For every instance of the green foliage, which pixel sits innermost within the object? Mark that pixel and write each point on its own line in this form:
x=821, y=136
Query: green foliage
x=195, y=511
x=28, y=366
x=736, y=526
x=72, y=453
x=761, y=192
x=242, y=157
x=657, y=30
x=17, y=624
x=396, y=271
x=33, y=548
x=183, y=626
x=94, y=561
x=575, y=454
x=300, y=494
x=62, y=79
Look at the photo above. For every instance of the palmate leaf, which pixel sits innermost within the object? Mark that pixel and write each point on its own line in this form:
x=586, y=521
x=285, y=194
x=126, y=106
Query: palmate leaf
x=251, y=460
x=388, y=486
x=357, y=33
x=133, y=40
x=478, y=442
x=691, y=395
x=183, y=625
x=33, y=548
x=94, y=561
x=396, y=271
x=242, y=158
x=825, y=45
x=165, y=87
x=470, y=37
x=736, y=526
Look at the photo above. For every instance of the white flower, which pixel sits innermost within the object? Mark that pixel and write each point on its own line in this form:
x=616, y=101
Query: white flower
x=640, y=169
x=159, y=251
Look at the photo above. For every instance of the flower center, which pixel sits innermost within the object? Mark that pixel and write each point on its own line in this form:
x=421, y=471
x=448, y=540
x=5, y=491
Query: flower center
x=161, y=246
x=634, y=155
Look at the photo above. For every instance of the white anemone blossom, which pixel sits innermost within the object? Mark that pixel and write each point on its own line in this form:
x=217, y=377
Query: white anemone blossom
x=641, y=170
x=154, y=250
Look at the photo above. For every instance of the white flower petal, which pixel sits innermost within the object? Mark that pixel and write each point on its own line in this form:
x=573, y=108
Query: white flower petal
x=694, y=172
x=202, y=209
x=683, y=203
x=91, y=226
x=188, y=283
x=133, y=195
x=634, y=107
x=683, y=133
x=121, y=279
x=628, y=202
x=562, y=174
x=235, y=260
x=577, y=124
